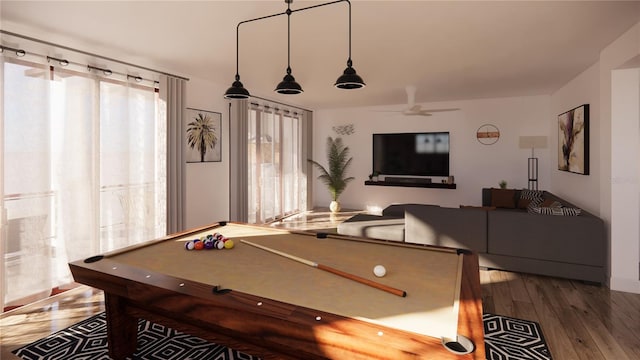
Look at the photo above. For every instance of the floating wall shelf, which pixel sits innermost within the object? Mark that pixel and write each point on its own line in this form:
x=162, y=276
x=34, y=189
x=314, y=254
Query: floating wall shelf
x=411, y=184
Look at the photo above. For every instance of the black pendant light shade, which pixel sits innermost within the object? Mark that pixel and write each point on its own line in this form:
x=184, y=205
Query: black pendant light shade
x=288, y=85
x=236, y=91
x=349, y=79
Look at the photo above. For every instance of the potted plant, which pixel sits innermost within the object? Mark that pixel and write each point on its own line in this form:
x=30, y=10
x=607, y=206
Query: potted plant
x=335, y=176
x=503, y=184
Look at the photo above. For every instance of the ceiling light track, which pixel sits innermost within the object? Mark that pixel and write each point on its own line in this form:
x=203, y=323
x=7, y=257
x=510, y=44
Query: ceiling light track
x=348, y=80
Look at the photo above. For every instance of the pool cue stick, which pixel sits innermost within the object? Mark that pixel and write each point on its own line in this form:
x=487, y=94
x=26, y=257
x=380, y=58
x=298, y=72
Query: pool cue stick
x=353, y=277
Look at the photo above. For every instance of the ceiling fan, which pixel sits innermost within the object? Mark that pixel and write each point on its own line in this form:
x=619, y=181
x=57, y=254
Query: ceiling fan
x=416, y=109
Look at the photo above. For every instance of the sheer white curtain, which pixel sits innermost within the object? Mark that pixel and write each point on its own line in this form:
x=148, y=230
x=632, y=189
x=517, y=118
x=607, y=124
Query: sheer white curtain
x=83, y=172
x=277, y=161
x=27, y=183
x=132, y=176
x=72, y=146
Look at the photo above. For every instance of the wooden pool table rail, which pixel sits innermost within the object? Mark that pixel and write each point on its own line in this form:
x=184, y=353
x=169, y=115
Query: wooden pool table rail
x=272, y=329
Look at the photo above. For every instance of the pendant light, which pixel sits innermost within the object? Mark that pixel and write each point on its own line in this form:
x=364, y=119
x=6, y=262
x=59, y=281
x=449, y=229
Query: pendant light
x=349, y=79
x=288, y=85
x=237, y=90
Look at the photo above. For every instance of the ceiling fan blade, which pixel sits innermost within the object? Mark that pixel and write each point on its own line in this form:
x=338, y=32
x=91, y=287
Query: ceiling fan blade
x=440, y=110
x=415, y=113
x=414, y=109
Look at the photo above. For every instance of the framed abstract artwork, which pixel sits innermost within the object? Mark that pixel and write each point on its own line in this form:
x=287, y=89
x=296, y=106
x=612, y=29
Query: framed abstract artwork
x=204, y=136
x=573, y=140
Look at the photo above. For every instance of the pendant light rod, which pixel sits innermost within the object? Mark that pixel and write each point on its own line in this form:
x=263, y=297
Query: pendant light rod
x=288, y=85
x=238, y=33
x=288, y=36
x=349, y=30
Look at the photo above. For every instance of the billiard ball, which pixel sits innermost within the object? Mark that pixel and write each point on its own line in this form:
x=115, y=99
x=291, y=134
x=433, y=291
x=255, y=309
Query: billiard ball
x=228, y=244
x=199, y=245
x=379, y=270
x=189, y=245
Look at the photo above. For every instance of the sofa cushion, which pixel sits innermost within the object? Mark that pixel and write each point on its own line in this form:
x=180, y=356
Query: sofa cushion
x=451, y=227
x=477, y=207
x=374, y=227
x=397, y=210
x=503, y=198
x=563, y=239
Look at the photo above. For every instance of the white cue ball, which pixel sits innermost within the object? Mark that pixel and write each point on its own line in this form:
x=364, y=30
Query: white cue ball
x=379, y=270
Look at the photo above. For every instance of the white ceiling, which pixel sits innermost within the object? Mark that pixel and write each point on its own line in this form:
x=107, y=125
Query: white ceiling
x=451, y=50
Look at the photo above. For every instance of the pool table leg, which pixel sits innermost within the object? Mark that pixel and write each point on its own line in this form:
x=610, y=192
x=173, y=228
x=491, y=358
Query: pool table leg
x=122, y=329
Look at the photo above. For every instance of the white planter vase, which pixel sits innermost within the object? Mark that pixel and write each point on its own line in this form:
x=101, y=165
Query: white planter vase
x=334, y=207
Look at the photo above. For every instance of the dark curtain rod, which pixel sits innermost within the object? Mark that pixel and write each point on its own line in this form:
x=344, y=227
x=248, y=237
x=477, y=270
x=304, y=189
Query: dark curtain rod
x=277, y=102
x=90, y=54
x=267, y=107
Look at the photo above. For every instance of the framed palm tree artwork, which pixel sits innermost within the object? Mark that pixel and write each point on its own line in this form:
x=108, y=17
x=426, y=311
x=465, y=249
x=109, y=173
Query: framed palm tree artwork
x=204, y=135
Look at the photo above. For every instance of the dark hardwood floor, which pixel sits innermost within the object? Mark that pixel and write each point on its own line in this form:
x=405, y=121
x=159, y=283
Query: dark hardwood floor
x=579, y=321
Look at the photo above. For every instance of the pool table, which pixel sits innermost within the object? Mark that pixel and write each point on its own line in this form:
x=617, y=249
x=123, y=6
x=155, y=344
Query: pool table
x=266, y=304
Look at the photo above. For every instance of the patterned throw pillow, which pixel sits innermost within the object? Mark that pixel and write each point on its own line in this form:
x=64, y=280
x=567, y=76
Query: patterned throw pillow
x=562, y=211
x=527, y=196
x=551, y=203
x=535, y=203
x=530, y=194
x=567, y=211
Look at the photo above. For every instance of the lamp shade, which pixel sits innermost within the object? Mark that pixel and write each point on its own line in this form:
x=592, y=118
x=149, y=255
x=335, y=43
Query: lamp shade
x=288, y=85
x=236, y=91
x=349, y=79
x=533, y=142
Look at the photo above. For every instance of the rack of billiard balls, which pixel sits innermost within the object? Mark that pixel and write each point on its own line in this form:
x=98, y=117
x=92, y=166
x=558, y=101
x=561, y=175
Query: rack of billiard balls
x=214, y=241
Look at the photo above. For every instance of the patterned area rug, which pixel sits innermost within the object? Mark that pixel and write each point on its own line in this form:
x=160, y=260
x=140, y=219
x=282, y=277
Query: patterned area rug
x=505, y=339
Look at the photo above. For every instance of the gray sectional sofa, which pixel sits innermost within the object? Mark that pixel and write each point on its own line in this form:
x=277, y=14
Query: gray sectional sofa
x=505, y=235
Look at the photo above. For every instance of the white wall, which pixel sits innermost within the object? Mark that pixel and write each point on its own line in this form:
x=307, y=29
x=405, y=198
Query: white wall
x=581, y=190
x=473, y=164
x=208, y=183
x=612, y=189
x=625, y=170
x=617, y=184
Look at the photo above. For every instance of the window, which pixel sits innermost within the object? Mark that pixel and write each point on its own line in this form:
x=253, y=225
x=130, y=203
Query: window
x=83, y=172
x=277, y=184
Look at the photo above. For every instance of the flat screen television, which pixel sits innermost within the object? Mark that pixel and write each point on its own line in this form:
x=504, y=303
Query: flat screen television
x=412, y=154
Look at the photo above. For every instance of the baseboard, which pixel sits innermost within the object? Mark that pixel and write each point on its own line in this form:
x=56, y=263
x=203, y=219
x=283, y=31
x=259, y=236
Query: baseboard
x=626, y=285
